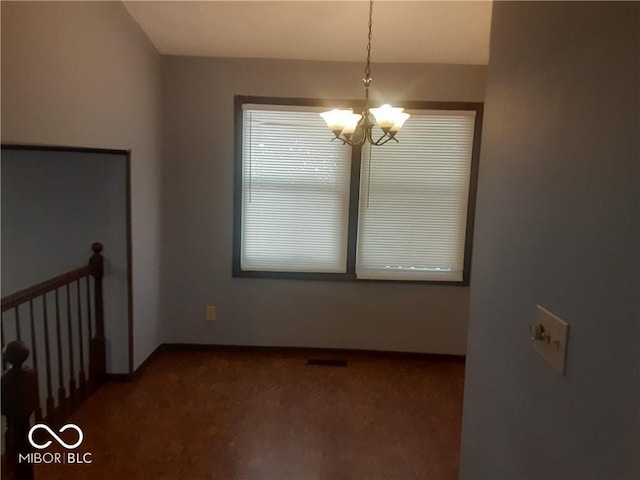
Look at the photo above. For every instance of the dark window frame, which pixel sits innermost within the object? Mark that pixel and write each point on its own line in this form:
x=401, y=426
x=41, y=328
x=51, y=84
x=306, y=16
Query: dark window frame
x=354, y=193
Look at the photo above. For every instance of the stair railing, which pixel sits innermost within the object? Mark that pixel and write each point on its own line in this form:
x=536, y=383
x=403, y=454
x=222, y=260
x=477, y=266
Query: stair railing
x=37, y=310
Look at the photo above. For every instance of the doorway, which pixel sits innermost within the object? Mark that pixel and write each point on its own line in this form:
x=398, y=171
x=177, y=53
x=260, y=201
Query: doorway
x=57, y=201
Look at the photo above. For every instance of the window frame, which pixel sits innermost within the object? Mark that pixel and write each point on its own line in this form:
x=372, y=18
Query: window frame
x=354, y=188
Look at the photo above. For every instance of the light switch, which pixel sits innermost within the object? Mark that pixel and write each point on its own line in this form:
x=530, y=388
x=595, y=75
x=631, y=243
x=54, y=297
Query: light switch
x=549, y=335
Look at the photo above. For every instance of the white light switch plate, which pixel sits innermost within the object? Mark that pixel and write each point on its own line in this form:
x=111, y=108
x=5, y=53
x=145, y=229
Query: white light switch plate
x=554, y=351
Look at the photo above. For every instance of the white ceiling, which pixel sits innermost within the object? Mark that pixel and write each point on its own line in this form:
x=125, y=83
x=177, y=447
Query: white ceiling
x=403, y=31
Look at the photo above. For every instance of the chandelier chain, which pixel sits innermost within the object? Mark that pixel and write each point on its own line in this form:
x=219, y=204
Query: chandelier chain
x=356, y=129
x=367, y=69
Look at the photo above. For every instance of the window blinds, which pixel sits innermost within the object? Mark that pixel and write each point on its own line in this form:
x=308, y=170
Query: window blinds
x=295, y=189
x=413, y=200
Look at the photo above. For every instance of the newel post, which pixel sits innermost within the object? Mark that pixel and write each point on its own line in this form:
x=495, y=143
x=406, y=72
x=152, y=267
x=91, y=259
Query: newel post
x=97, y=354
x=19, y=400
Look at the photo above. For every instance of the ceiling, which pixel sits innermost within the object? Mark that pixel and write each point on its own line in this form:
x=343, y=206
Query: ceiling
x=403, y=31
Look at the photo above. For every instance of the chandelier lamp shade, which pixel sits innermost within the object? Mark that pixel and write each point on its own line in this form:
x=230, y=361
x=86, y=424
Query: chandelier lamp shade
x=357, y=128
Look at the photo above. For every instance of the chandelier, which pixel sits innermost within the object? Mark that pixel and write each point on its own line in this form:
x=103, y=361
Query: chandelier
x=357, y=128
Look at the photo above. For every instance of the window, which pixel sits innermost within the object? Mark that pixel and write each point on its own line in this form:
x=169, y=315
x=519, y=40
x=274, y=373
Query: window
x=295, y=193
x=307, y=207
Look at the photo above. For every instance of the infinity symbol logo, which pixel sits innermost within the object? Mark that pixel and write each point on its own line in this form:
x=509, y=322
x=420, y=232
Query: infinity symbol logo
x=53, y=434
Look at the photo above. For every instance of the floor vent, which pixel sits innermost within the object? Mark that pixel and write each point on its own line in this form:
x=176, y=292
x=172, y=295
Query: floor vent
x=326, y=362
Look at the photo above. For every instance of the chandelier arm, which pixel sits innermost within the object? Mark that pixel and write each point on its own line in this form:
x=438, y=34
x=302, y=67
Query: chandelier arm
x=363, y=125
x=348, y=141
x=369, y=132
x=384, y=139
x=380, y=139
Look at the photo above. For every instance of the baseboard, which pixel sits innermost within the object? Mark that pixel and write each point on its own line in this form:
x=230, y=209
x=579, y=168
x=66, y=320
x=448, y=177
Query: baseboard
x=312, y=351
x=130, y=377
x=308, y=351
x=143, y=366
x=119, y=377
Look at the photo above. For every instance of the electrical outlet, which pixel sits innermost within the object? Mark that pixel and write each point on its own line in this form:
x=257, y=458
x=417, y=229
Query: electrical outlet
x=211, y=313
x=550, y=335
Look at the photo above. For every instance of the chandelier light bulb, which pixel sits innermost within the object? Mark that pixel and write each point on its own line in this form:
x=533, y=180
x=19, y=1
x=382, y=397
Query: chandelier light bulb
x=385, y=116
x=351, y=123
x=399, y=121
x=337, y=119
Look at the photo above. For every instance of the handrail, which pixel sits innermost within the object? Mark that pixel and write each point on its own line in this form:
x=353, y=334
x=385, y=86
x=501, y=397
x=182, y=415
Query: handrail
x=29, y=293
x=20, y=383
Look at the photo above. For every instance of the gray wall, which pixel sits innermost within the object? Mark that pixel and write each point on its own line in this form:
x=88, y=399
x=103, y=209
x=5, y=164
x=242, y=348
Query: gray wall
x=557, y=225
x=84, y=74
x=54, y=206
x=198, y=216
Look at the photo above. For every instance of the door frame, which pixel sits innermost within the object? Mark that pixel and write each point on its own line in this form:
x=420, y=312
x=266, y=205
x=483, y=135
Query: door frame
x=109, y=151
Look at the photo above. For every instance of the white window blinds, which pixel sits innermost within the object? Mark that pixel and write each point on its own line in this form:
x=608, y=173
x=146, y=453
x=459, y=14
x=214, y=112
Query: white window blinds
x=295, y=192
x=413, y=200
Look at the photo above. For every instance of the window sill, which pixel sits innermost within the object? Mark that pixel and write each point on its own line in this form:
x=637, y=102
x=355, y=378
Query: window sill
x=339, y=277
